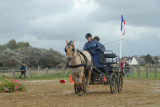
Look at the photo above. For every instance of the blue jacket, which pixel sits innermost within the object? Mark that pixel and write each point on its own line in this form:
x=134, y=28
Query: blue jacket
x=93, y=47
x=23, y=68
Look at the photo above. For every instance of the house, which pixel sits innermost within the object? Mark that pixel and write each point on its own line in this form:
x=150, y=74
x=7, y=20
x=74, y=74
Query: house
x=135, y=61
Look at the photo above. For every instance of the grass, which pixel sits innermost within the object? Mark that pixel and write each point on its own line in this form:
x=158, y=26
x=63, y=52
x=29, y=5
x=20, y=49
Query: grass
x=40, y=75
x=151, y=75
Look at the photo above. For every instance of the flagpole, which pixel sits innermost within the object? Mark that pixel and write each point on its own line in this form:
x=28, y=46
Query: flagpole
x=120, y=47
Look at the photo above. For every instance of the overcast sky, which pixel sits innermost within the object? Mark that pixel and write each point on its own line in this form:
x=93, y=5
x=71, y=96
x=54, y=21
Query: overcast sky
x=48, y=23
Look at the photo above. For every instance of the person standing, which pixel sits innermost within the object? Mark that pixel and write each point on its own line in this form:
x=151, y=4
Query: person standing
x=126, y=67
x=23, y=71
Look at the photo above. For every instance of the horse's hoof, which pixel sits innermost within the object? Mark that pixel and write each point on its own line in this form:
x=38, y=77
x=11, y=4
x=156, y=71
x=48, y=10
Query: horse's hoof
x=80, y=95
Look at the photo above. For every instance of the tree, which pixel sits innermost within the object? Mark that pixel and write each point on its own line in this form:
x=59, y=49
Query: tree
x=156, y=60
x=148, y=59
x=21, y=45
x=14, y=53
x=2, y=47
x=9, y=58
x=12, y=44
x=30, y=56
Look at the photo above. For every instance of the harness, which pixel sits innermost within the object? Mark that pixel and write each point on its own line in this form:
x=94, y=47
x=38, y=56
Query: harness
x=83, y=64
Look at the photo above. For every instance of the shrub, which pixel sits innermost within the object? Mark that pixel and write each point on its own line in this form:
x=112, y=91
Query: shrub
x=11, y=85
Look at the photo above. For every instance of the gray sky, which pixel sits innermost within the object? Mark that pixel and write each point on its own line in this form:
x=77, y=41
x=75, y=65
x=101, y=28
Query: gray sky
x=48, y=23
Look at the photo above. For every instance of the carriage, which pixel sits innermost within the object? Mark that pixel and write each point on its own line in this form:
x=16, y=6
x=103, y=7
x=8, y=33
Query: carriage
x=107, y=73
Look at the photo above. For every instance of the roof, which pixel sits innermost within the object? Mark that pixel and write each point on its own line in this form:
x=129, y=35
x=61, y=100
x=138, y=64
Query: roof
x=140, y=60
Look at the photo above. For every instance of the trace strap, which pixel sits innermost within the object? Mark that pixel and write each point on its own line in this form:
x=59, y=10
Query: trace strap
x=75, y=66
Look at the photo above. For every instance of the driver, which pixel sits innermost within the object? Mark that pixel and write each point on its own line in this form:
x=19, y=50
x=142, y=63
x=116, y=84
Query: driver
x=94, y=48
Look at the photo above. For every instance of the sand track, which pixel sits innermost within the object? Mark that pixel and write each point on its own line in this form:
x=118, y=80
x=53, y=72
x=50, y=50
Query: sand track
x=136, y=92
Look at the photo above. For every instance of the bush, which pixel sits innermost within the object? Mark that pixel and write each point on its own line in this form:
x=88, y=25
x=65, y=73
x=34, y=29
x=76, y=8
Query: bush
x=11, y=85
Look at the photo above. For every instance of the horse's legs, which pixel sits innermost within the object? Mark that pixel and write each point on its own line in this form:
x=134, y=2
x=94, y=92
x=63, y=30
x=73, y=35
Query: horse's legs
x=80, y=83
x=73, y=78
x=89, y=76
x=84, y=84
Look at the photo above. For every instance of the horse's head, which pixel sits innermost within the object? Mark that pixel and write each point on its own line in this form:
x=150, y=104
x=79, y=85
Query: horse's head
x=70, y=49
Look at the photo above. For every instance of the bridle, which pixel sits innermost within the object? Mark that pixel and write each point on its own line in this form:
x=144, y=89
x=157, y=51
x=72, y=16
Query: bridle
x=69, y=44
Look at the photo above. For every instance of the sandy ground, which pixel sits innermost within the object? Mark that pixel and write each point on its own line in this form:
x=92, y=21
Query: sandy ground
x=136, y=93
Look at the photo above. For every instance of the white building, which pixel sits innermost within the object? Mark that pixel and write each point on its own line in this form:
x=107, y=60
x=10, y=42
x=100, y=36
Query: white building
x=133, y=62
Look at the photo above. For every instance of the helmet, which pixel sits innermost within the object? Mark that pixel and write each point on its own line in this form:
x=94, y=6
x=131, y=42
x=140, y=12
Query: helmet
x=88, y=35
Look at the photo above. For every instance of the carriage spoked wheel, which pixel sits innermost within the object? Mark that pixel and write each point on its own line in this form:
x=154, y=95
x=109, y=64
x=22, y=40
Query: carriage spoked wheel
x=120, y=82
x=113, y=84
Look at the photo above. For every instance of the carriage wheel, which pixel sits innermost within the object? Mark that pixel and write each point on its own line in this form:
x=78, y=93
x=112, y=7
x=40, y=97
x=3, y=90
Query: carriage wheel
x=120, y=82
x=113, y=83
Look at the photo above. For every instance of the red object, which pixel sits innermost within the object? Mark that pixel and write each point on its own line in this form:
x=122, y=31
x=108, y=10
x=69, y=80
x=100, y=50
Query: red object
x=105, y=80
x=122, y=64
x=62, y=81
x=71, y=80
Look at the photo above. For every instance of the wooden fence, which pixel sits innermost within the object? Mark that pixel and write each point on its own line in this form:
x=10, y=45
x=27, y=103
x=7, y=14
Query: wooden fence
x=143, y=71
x=44, y=73
x=135, y=72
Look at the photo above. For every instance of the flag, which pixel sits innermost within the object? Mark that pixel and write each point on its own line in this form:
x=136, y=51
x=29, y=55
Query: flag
x=122, y=25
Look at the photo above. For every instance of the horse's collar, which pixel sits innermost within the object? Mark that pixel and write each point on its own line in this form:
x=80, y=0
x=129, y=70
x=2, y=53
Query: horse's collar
x=78, y=65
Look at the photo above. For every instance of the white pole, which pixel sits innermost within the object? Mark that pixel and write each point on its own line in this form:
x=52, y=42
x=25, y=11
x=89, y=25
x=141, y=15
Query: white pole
x=120, y=47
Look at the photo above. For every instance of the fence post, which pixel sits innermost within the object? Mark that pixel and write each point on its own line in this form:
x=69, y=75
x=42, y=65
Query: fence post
x=147, y=68
x=46, y=72
x=56, y=70
x=63, y=74
x=155, y=71
x=29, y=74
x=138, y=71
x=130, y=71
x=13, y=74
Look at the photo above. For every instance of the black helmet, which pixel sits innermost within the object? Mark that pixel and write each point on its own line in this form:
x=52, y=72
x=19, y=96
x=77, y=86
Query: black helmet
x=88, y=35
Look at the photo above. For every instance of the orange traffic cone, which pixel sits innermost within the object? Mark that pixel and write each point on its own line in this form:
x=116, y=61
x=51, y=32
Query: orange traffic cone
x=71, y=81
x=105, y=80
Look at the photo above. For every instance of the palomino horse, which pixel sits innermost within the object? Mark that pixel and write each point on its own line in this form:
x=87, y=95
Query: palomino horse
x=81, y=63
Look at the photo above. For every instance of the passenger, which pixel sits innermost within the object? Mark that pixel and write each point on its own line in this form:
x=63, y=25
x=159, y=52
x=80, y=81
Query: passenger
x=94, y=48
x=96, y=38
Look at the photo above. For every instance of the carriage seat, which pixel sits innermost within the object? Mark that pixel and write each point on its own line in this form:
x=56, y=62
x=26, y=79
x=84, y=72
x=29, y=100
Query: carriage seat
x=112, y=55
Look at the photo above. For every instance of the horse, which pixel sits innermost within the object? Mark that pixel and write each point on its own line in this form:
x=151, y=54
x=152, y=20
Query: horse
x=81, y=64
